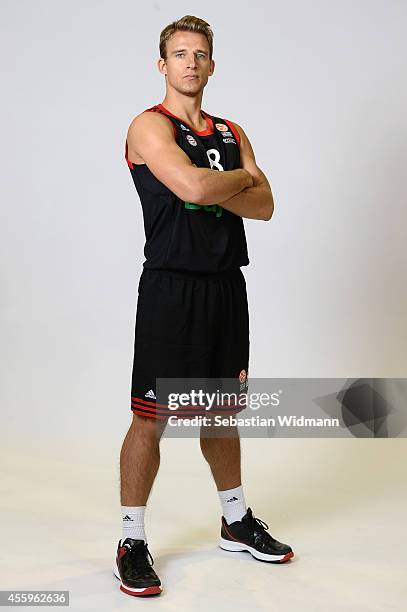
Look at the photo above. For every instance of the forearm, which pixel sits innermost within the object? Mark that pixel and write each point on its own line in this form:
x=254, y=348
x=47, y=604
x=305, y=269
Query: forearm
x=251, y=203
x=215, y=186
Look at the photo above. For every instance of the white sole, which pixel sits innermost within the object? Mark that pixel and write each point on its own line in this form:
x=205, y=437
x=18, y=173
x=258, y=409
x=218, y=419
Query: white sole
x=239, y=547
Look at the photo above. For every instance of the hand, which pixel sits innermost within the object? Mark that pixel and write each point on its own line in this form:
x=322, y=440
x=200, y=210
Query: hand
x=249, y=177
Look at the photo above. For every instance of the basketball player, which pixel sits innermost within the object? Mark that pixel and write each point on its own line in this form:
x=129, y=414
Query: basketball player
x=196, y=177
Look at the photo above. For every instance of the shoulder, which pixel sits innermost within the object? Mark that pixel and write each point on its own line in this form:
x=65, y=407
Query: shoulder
x=244, y=141
x=150, y=121
x=237, y=127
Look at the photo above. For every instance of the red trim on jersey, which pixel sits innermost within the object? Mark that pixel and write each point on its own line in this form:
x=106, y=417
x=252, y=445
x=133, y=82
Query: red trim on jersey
x=206, y=132
x=234, y=131
x=209, y=130
x=147, y=110
x=129, y=163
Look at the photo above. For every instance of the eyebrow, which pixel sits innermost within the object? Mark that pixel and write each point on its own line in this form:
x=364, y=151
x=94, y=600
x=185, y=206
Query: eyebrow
x=197, y=50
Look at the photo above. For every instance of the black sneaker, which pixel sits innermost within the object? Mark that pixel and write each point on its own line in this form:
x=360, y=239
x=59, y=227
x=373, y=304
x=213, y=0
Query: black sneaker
x=250, y=534
x=134, y=570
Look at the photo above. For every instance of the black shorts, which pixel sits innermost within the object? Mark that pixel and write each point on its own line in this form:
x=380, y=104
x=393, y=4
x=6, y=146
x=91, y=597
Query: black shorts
x=188, y=326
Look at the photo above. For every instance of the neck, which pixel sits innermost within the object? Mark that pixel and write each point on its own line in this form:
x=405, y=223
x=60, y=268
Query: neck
x=187, y=109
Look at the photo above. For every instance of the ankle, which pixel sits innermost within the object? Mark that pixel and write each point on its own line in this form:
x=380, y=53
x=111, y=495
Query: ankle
x=233, y=504
x=133, y=523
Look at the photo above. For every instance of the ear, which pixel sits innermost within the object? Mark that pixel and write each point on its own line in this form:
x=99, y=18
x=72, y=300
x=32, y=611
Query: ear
x=162, y=66
x=212, y=70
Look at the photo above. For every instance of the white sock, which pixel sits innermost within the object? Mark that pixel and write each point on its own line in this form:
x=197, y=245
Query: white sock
x=133, y=523
x=233, y=504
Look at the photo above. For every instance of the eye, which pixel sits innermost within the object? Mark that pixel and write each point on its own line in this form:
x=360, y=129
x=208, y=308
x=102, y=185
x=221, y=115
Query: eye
x=178, y=54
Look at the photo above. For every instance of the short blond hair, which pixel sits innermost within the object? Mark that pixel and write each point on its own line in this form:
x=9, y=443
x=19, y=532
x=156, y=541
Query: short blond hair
x=188, y=23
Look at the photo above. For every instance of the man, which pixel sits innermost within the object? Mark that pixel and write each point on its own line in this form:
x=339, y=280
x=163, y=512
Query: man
x=197, y=177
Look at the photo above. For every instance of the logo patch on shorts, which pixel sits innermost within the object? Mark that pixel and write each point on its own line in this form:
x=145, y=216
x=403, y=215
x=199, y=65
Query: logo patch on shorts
x=242, y=376
x=244, y=383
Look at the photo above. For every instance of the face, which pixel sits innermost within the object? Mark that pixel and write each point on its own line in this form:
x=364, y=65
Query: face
x=188, y=66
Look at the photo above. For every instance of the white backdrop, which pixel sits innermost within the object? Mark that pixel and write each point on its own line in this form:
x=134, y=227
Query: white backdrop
x=319, y=89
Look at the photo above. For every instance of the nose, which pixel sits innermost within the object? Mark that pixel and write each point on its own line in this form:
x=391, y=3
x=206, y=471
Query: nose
x=191, y=61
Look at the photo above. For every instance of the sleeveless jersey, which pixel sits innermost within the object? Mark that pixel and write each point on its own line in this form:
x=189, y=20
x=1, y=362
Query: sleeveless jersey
x=182, y=235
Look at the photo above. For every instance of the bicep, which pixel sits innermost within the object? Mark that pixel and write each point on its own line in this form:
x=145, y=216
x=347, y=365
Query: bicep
x=153, y=139
x=248, y=160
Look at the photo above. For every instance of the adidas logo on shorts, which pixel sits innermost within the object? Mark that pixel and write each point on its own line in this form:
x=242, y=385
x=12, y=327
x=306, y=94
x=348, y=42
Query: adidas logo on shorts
x=150, y=394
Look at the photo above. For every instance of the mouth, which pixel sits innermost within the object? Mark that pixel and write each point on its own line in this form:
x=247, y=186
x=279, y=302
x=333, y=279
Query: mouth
x=191, y=76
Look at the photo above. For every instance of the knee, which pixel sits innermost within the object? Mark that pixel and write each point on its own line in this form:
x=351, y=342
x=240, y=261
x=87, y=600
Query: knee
x=147, y=428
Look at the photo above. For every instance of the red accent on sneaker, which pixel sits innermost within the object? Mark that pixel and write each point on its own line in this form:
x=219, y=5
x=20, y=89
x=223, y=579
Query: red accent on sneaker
x=286, y=557
x=153, y=590
x=225, y=526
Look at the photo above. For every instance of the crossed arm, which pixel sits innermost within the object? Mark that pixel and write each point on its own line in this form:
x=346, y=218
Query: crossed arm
x=255, y=202
x=245, y=191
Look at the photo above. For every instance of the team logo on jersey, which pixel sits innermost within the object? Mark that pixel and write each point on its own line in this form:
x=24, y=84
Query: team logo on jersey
x=227, y=134
x=229, y=140
x=191, y=140
x=183, y=127
x=221, y=127
x=242, y=376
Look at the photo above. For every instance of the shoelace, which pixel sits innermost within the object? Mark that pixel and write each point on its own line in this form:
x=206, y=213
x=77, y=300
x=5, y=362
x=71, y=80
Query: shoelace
x=262, y=526
x=141, y=561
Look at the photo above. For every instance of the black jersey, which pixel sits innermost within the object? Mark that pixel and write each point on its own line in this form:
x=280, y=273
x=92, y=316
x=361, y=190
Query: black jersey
x=182, y=235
